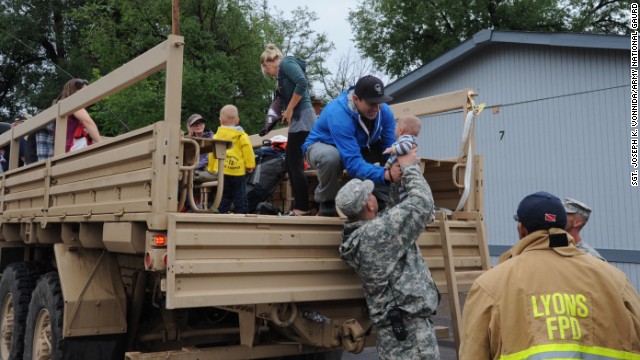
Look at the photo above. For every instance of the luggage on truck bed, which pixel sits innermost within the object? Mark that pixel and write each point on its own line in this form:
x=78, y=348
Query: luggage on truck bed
x=266, y=177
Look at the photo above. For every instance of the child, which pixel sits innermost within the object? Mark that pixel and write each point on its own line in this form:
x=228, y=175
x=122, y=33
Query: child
x=240, y=160
x=407, y=130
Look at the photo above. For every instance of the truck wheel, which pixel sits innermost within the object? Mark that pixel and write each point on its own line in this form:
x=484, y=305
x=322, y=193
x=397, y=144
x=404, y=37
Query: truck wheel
x=43, y=339
x=15, y=292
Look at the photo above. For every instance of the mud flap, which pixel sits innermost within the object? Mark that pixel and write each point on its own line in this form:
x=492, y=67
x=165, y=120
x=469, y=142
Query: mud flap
x=94, y=296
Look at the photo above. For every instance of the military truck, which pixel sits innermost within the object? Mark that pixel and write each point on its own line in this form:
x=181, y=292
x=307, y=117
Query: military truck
x=99, y=263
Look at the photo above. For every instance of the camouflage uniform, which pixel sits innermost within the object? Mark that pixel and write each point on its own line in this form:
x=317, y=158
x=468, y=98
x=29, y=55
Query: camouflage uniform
x=587, y=249
x=384, y=254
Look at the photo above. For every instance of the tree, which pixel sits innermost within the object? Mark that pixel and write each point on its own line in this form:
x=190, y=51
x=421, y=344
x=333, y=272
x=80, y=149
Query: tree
x=35, y=38
x=399, y=36
x=44, y=43
x=349, y=68
x=296, y=38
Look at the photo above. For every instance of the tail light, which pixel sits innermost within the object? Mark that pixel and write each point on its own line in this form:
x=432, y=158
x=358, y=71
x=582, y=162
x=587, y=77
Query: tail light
x=159, y=240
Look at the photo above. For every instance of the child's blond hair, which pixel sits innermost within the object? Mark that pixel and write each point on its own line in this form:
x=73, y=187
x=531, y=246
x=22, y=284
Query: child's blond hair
x=229, y=115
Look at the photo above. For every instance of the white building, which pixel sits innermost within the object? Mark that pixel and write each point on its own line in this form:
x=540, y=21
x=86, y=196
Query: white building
x=557, y=119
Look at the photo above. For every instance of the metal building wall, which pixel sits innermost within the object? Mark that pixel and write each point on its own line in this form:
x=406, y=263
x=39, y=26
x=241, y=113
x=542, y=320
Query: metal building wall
x=557, y=119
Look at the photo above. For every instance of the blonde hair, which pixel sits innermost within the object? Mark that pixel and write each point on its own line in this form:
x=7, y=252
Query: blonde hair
x=229, y=115
x=270, y=53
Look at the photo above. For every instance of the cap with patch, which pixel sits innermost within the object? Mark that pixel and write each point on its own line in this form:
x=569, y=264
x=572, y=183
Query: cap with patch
x=352, y=197
x=371, y=89
x=541, y=211
x=195, y=118
x=573, y=206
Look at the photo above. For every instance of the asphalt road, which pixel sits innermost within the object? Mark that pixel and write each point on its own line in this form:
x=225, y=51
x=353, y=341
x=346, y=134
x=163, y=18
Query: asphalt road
x=446, y=346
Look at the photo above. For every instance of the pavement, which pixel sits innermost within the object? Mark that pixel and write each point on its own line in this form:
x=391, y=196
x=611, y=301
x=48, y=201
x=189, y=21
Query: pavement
x=446, y=346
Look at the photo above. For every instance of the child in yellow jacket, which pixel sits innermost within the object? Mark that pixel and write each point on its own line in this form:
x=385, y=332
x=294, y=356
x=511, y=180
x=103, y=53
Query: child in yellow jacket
x=240, y=160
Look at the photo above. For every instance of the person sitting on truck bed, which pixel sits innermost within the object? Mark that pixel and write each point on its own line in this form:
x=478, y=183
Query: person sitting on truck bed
x=79, y=119
x=351, y=133
x=550, y=300
x=197, y=127
x=240, y=160
x=17, y=120
x=398, y=287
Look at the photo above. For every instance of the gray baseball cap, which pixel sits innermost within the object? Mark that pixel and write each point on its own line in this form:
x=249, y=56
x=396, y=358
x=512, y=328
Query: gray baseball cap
x=573, y=206
x=195, y=118
x=352, y=197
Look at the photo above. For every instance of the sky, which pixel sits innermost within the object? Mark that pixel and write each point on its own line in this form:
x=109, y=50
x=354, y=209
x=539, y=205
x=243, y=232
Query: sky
x=332, y=20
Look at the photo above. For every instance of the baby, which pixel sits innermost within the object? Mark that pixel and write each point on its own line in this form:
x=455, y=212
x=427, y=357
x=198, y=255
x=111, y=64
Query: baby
x=407, y=130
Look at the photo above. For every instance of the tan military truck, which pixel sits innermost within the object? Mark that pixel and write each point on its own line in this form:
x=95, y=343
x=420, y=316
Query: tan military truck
x=98, y=263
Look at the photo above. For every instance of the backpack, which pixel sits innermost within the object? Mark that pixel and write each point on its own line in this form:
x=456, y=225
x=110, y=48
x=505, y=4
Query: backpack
x=265, y=178
x=266, y=208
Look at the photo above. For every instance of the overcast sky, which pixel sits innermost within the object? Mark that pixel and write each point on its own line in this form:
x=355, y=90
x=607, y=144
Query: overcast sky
x=332, y=20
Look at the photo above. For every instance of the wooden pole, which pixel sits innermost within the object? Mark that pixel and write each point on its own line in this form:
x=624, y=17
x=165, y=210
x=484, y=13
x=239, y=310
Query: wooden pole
x=175, y=17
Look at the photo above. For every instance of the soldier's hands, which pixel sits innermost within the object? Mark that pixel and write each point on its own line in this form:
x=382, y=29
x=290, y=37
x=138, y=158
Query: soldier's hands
x=409, y=159
x=395, y=172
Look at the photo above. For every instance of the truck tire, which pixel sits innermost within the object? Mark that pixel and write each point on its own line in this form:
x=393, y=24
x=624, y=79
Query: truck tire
x=18, y=281
x=43, y=339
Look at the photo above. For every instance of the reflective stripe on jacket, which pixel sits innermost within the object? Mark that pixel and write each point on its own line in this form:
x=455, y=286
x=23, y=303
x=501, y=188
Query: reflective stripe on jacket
x=551, y=303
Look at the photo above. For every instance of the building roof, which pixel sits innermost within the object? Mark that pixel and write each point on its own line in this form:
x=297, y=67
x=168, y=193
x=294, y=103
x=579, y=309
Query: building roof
x=486, y=38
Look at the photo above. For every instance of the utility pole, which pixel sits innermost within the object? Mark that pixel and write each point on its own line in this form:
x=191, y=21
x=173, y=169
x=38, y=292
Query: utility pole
x=175, y=17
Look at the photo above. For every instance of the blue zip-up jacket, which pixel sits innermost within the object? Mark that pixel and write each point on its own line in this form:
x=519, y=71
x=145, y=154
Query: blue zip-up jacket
x=340, y=126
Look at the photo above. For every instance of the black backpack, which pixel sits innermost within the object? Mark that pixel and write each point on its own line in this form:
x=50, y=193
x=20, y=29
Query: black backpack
x=266, y=177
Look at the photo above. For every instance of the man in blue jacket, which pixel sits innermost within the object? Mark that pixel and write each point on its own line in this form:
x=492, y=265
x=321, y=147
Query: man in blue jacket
x=351, y=133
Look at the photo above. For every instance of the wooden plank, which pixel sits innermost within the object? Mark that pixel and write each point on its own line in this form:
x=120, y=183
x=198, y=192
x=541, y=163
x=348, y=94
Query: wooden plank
x=256, y=140
x=452, y=281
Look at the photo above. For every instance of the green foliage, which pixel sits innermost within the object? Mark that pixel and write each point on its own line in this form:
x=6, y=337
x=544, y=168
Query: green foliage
x=401, y=35
x=44, y=43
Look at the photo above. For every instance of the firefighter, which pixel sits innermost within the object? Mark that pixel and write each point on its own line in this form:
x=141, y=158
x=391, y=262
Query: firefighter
x=550, y=300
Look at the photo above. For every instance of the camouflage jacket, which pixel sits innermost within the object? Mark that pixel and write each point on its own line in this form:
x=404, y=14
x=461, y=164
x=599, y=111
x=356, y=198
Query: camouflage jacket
x=384, y=254
x=587, y=249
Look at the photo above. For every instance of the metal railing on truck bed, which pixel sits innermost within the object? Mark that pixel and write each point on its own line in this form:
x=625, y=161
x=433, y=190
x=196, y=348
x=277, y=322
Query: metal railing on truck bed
x=132, y=177
x=107, y=198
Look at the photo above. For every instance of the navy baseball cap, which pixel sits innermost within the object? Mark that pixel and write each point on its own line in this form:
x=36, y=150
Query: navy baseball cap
x=541, y=211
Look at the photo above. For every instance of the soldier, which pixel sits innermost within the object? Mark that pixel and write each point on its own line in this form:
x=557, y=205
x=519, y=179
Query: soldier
x=550, y=300
x=577, y=217
x=400, y=292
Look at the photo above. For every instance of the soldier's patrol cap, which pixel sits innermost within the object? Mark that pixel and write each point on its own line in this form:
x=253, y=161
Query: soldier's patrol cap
x=573, y=206
x=541, y=211
x=352, y=197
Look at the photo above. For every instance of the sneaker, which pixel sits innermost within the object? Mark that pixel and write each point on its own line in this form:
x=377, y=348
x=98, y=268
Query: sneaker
x=328, y=208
